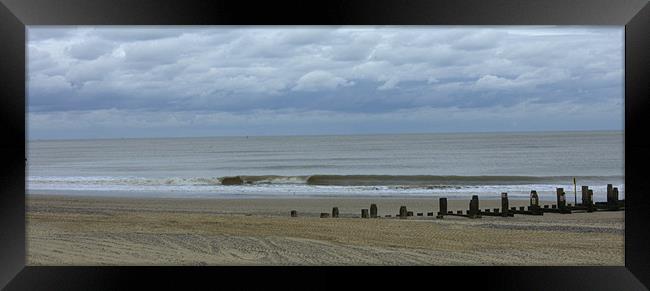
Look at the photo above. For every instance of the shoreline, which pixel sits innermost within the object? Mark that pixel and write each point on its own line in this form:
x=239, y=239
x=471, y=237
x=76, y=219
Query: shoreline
x=75, y=230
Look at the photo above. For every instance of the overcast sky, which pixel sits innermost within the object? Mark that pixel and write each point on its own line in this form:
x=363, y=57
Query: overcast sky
x=106, y=82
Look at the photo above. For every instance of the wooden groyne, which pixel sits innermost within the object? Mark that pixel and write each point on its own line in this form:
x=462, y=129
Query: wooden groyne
x=586, y=204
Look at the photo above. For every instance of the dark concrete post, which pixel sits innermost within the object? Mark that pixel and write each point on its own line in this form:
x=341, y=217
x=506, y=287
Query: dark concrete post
x=335, y=212
x=373, y=210
x=294, y=213
x=409, y=213
x=504, y=204
x=561, y=198
x=324, y=215
x=402, y=212
x=443, y=206
x=364, y=213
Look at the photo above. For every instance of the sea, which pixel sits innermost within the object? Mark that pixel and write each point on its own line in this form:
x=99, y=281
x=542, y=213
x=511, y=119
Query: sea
x=454, y=165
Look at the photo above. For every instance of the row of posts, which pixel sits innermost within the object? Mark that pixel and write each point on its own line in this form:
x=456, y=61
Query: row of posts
x=474, y=212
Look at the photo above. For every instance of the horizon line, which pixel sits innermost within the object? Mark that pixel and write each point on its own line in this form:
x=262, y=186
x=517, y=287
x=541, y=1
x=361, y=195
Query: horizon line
x=27, y=139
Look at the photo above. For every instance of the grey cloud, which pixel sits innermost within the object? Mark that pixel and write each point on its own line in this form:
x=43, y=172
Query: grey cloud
x=369, y=70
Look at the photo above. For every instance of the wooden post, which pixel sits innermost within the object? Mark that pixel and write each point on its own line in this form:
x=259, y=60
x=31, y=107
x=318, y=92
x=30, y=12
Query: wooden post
x=387, y=215
x=496, y=210
x=364, y=213
x=614, y=205
x=335, y=212
x=459, y=212
x=473, y=206
x=294, y=213
x=522, y=208
x=402, y=212
x=420, y=214
x=443, y=206
x=553, y=206
x=324, y=215
x=373, y=210
x=487, y=210
x=575, y=193
x=504, y=204
x=609, y=193
x=590, y=200
x=585, y=195
x=429, y=213
x=546, y=206
x=561, y=198
x=409, y=213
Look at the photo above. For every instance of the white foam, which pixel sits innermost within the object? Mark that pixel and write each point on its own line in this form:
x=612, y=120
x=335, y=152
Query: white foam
x=289, y=187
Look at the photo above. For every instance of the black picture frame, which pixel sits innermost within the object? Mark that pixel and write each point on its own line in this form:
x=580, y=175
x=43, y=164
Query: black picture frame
x=16, y=14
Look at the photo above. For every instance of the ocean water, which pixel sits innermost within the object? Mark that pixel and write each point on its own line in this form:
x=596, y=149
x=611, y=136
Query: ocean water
x=450, y=165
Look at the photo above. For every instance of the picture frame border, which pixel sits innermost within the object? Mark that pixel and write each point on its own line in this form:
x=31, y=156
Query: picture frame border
x=15, y=15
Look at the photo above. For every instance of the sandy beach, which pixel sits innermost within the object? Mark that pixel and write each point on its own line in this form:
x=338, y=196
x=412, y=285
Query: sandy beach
x=70, y=230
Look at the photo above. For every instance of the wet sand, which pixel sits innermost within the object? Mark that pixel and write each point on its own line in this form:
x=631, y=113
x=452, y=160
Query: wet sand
x=72, y=230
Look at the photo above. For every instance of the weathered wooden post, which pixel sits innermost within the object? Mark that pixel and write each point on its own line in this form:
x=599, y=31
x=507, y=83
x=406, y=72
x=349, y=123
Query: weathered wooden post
x=459, y=212
x=534, y=201
x=335, y=212
x=364, y=213
x=443, y=206
x=609, y=193
x=373, y=210
x=324, y=215
x=496, y=210
x=585, y=195
x=294, y=213
x=429, y=213
x=561, y=198
x=504, y=204
x=473, y=207
x=522, y=208
x=590, y=200
x=402, y=212
x=612, y=199
x=420, y=214
x=614, y=205
x=409, y=213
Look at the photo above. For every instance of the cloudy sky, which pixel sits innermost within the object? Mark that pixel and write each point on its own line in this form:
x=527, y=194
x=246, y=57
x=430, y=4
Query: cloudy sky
x=107, y=82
